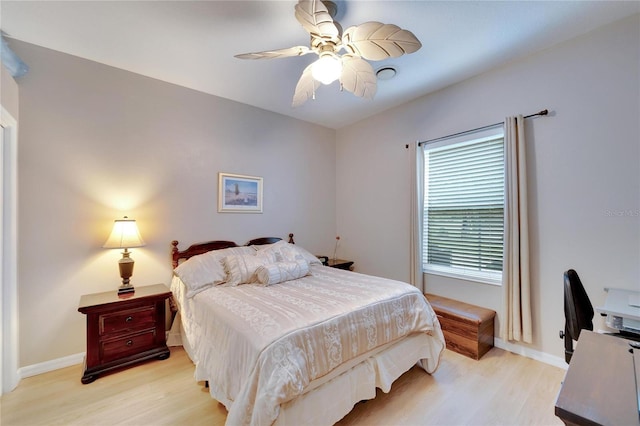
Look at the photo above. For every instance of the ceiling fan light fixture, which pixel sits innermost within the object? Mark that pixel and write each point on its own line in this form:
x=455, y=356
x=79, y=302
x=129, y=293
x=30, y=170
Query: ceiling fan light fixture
x=369, y=41
x=327, y=69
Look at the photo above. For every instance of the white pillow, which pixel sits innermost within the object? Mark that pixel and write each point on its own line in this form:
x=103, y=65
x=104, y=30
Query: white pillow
x=205, y=270
x=310, y=258
x=241, y=269
x=278, y=272
x=283, y=251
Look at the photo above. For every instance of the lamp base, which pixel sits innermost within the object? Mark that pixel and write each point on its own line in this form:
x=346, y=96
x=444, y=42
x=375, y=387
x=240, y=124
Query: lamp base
x=123, y=289
x=126, y=270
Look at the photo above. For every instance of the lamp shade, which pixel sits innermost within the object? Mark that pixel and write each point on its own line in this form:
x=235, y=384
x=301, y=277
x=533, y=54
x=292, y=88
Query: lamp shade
x=125, y=234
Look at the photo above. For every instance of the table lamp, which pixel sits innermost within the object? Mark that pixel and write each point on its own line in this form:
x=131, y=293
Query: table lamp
x=125, y=235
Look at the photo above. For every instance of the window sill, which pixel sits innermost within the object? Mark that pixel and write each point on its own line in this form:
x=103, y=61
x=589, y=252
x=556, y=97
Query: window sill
x=475, y=278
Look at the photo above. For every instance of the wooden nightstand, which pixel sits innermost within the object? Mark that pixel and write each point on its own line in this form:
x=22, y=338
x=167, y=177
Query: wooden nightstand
x=123, y=330
x=340, y=264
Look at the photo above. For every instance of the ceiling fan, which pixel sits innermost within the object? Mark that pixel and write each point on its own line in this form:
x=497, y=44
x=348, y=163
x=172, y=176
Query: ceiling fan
x=372, y=40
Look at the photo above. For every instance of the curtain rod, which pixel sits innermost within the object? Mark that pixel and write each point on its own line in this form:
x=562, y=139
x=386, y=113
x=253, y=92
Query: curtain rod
x=543, y=112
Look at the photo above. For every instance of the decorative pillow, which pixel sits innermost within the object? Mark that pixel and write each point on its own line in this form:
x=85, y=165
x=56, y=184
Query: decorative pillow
x=278, y=272
x=241, y=269
x=283, y=251
x=306, y=255
x=205, y=270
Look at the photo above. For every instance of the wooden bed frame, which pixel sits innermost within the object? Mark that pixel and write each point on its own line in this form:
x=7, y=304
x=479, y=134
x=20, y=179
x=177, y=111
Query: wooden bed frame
x=200, y=248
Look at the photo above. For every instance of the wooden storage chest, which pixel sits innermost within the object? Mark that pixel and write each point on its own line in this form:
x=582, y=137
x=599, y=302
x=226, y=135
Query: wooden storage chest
x=467, y=329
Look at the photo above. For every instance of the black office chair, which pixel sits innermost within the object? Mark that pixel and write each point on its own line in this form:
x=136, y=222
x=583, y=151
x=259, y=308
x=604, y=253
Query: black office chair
x=578, y=312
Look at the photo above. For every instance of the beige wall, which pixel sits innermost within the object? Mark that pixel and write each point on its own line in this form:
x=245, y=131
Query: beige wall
x=583, y=163
x=8, y=92
x=97, y=143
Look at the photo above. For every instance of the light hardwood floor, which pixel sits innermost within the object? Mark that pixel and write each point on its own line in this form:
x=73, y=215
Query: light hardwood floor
x=500, y=389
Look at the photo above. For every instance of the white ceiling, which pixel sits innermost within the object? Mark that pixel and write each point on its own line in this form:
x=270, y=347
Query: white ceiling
x=192, y=43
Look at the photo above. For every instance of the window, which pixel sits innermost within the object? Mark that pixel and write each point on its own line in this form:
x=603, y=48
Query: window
x=463, y=217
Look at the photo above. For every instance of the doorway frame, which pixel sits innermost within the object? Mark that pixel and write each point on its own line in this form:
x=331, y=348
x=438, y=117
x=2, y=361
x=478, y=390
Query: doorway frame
x=9, y=374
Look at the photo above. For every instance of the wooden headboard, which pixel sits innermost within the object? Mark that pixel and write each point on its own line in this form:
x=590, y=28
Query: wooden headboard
x=199, y=248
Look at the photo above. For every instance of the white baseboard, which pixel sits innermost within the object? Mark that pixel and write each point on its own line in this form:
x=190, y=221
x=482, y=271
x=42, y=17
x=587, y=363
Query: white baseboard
x=54, y=364
x=531, y=353
x=67, y=361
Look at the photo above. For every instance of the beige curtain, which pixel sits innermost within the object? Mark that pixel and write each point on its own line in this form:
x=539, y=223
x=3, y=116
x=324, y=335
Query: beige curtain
x=516, y=321
x=416, y=160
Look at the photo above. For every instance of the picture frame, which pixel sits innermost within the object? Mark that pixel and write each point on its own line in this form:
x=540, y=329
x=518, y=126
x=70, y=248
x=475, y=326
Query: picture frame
x=239, y=193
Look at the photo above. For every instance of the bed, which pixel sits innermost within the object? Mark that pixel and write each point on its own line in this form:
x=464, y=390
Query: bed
x=282, y=339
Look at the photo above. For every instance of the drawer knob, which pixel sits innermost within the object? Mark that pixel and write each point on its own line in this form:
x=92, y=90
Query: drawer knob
x=128, y=319
x=129, y=342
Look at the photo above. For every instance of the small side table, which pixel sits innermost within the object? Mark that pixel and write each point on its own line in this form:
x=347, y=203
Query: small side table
x=123, y=330
x=340, y=264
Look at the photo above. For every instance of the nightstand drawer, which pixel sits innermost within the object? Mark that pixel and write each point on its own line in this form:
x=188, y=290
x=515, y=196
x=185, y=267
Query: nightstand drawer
x=127, y=345
x=132, y=319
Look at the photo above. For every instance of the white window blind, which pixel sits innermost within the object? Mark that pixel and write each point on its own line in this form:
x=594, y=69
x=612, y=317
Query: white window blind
x=464, y=206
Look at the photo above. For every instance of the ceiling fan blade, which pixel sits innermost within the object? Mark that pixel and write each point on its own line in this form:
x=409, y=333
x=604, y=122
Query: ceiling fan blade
x=358, y=77
x=274, y=54
x=305, y=88
x=376, y=41
x=315, y=18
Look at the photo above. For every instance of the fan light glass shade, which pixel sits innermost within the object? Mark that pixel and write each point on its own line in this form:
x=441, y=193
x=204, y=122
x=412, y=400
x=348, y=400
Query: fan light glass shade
x=125, y=234
x=327, y=69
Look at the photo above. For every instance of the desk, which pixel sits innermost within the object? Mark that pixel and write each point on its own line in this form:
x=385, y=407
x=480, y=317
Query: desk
x=599, y=387
x=621, y=315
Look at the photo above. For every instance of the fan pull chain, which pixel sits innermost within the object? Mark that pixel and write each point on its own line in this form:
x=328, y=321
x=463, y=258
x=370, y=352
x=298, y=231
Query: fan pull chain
x=341, y=87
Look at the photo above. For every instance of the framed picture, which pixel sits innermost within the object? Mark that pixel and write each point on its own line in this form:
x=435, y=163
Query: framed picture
x=239, y=193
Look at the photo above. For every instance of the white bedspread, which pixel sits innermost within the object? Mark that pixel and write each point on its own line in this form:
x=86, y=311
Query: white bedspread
x=261, y=346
